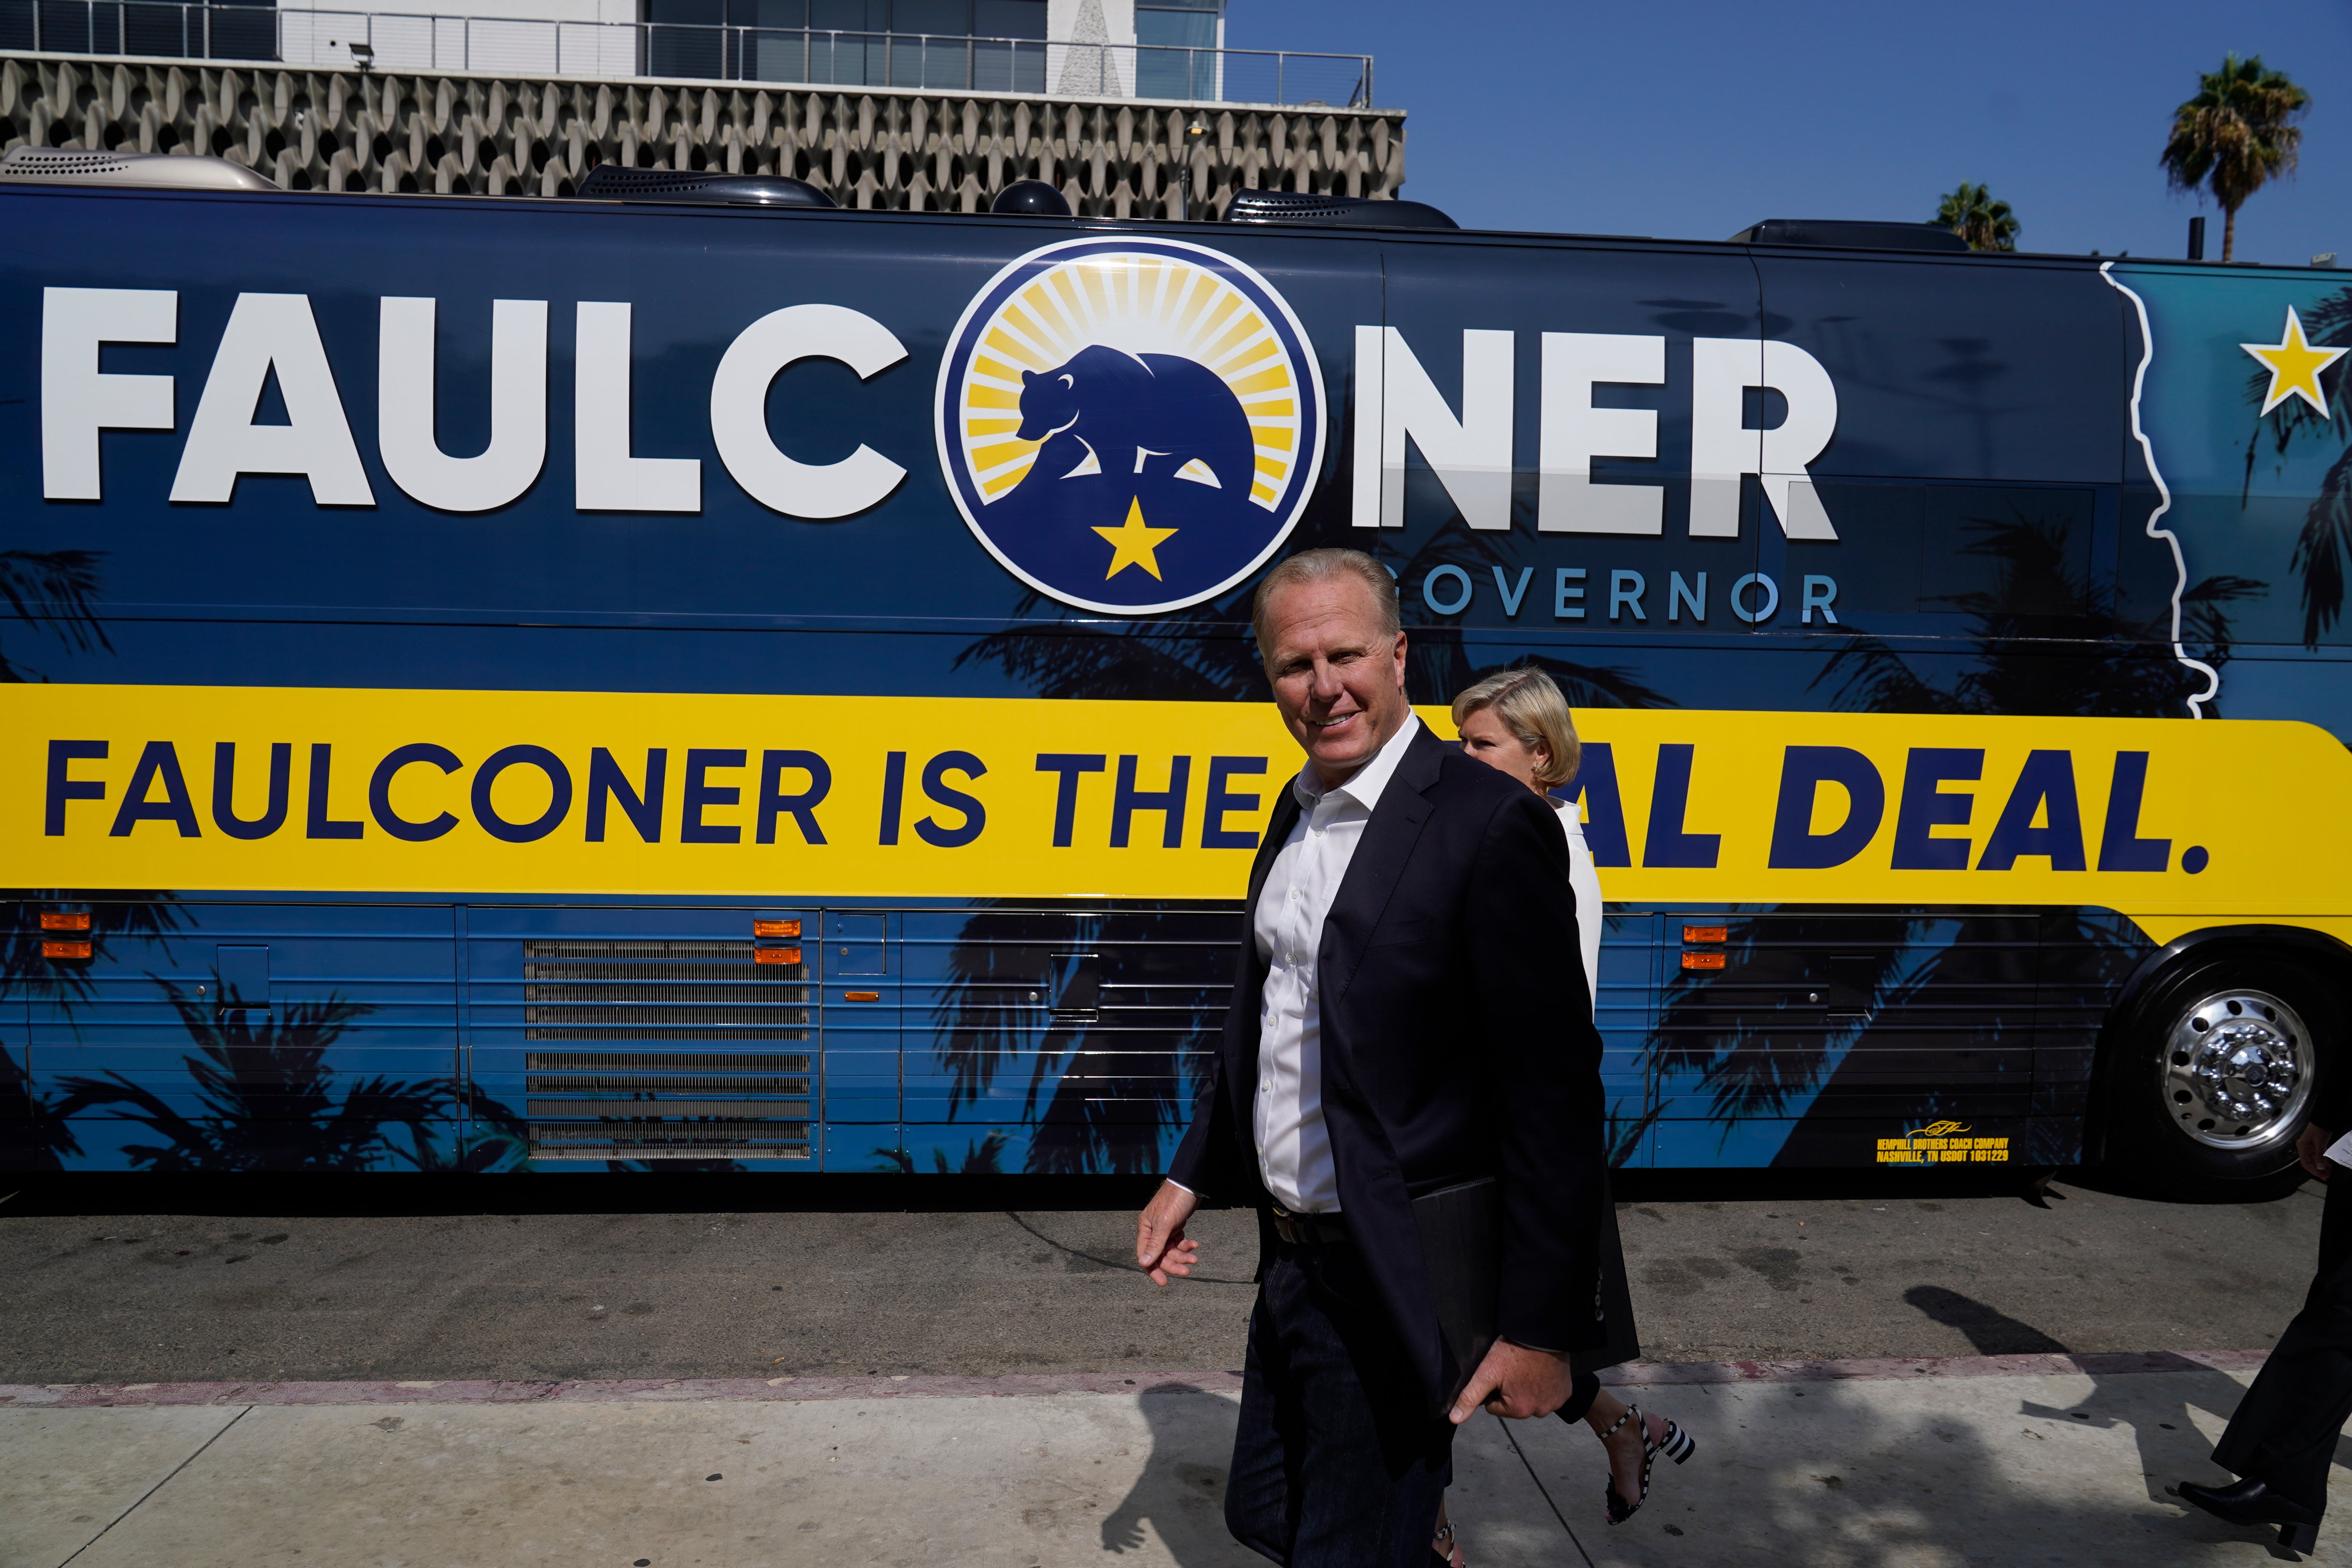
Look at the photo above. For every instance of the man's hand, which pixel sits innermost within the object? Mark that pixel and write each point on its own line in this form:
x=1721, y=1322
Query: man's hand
x=1517, y=1381
x=2311, y=1148
x=1161, y=1249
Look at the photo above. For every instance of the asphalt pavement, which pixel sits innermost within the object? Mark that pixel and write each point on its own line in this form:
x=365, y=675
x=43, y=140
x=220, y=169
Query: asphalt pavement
x=1867, y=1272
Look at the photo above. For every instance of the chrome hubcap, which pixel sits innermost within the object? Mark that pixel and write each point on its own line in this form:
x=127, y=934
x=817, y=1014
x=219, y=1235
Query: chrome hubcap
x=2237, y=1070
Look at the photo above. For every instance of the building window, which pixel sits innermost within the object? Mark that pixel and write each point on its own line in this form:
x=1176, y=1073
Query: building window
x=1175, y=48
x=987, y=45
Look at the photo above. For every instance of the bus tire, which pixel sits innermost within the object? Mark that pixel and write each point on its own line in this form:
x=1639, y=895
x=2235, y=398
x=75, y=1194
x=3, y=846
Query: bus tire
x=2212, y=1077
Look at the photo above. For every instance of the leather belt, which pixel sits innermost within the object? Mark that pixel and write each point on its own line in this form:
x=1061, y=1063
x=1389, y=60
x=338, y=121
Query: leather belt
x=1310, y=1230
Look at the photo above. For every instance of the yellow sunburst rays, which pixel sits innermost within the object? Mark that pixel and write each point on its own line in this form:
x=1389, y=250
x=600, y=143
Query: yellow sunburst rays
x=1249, y=358
x=1139, y=303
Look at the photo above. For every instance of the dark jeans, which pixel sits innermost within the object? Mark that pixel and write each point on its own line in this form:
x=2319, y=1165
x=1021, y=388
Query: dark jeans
x=1338, y=1463
x=2283, y=1432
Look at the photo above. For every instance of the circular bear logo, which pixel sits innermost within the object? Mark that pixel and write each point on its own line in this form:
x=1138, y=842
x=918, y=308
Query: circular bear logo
x=1131, y=424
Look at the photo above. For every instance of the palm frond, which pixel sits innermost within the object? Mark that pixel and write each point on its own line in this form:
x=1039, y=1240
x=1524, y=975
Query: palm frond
x=2235, y=136
x=2320, y=550
x=2096, y=669
x=268, y=1096
x=114, y=917
x=55, y=593
x=34, y=1135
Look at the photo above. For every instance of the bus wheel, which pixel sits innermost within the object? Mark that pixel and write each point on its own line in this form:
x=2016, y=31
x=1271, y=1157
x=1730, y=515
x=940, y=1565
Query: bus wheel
x=2216, y=1078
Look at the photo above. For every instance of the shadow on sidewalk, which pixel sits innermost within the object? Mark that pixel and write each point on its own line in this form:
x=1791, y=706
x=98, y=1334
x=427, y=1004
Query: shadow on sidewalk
x=2116, y=1399
x=1181, y=1489
x=1890, y=1474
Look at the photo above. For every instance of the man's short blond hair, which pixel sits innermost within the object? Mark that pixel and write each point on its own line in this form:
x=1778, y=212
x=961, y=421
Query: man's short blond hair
x=1322, y=565
x=1531, y=706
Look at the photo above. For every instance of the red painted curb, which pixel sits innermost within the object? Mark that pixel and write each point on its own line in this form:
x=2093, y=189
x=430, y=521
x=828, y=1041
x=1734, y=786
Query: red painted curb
x=709, y=1389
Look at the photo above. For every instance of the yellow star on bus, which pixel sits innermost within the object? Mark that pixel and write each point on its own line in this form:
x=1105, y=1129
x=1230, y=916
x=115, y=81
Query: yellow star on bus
x=2295, y=366
x=1132, y=542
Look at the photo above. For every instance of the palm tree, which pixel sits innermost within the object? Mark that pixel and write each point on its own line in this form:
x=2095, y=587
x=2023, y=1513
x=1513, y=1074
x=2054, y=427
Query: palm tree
x=2324, y=546
x=266, y=1098
x=2235, y=136
x=1769, y=1067
x=1772, y=1065
x=52, y=592
x=1972, y=214
x=494, y=1139
x=35, y=1132
x=2027, y=657
x=983, y=1157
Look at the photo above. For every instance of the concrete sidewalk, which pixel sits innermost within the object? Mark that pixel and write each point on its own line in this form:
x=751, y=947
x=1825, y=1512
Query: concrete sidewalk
x=2001, y=1460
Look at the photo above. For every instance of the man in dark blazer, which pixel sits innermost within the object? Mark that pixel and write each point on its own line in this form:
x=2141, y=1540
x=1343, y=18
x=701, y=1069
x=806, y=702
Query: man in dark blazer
x=1408, y=1013
x=2281, y=1439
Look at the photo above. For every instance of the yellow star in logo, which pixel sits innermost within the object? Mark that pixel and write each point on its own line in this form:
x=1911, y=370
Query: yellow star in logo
x=2295, y=366
x=1132, y=542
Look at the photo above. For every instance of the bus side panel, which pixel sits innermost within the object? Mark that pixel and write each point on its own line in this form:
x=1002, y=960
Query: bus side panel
x=251, y=1036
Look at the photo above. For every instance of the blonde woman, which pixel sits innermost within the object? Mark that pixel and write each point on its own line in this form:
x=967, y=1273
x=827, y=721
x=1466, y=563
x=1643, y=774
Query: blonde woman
x=1518, y=722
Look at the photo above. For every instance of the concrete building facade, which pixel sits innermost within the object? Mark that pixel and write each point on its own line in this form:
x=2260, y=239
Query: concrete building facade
x=1131, y=108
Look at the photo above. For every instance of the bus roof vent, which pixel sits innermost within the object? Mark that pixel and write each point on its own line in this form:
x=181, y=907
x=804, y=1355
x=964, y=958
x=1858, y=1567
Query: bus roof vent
x=612, y=182
x=1304, y=207
x=145, y=171
x=1031, y=198
x=1854, y=233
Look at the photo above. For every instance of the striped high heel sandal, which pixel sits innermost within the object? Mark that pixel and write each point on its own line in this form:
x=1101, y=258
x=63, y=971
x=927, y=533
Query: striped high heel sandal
x=1673, y=1443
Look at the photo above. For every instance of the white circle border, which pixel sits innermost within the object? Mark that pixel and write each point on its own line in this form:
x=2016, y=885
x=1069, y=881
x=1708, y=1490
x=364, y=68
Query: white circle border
x=1309, y=474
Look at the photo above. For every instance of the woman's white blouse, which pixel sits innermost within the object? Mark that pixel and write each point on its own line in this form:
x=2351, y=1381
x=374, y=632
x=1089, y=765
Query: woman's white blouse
x=1585, y=883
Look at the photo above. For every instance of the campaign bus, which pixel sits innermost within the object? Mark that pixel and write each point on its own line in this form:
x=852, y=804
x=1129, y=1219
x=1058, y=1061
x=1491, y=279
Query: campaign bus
x=653, y=684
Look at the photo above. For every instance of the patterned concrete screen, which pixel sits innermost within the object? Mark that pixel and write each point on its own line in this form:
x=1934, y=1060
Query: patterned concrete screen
x=380, y=132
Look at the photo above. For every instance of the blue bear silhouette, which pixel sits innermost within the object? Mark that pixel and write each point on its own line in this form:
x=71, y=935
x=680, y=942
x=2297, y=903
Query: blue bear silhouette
x=1114, y=431
x=1116, y=427
x=1138, y=415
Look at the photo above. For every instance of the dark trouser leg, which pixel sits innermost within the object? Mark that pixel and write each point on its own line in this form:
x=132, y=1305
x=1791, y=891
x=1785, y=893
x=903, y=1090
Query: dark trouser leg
x=1583, y=1390
x=2283, y=1432
x=1262, y=1488
x=1336, y=1463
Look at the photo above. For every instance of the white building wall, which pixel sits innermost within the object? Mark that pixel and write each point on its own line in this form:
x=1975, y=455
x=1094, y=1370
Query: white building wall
x=553, y=37
x=1092, y=51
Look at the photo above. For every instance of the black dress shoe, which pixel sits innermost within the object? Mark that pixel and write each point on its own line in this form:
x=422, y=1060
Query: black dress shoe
x=2251, y=1503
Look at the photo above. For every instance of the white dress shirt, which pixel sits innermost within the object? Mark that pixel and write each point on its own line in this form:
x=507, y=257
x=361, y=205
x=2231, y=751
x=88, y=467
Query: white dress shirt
x=1585, y=883
x=1293, y=1147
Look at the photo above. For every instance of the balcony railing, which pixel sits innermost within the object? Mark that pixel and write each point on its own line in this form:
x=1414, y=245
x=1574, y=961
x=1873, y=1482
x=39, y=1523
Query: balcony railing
x=347, y=40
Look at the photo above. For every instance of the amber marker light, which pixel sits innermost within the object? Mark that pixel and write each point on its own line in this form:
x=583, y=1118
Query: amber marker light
x=1707, y=933
x=64, y=922
x=775, y=955
x=1701, y=961
x=861, y=995
x=777, y=928
x=60, y=950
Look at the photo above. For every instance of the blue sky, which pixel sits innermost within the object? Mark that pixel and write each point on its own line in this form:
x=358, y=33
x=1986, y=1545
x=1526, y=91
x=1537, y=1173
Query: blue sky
x=1693, y=120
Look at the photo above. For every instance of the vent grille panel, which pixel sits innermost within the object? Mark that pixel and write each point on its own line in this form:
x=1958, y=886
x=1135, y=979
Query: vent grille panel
x=664, y=1062
x=682, y=1014
x=726, y=986
x=650, y=1112
x=607, y=952
x=660, y=991
x=726, y=1104
x=650, y=1084
x=714, y=1139
x=659, y=1032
